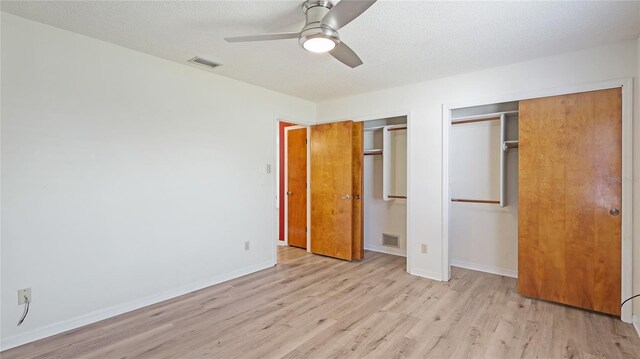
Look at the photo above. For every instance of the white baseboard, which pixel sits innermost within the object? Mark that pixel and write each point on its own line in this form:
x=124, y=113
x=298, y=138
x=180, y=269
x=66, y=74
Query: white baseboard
x=636, y=324
x=96, y=316
x=427, y=274
x=484, y=268
x=403, y=253
x=386, y=250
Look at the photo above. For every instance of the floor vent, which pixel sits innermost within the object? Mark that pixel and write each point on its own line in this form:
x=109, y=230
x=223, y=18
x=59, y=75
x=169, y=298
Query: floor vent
x=204, y=62
x=390, y=240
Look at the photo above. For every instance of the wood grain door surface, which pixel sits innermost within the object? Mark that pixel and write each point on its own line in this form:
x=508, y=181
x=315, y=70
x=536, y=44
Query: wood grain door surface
x=297, y=187
x=570, y=168
x=332, y=189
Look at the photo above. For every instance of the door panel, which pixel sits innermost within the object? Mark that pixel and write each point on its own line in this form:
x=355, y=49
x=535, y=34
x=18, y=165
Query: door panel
x=331, y=189
x=570, y=153
x=297, y=187
x=358, y=185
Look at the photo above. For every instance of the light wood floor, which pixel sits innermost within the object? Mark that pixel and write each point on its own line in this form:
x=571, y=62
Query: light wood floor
x=316, y=307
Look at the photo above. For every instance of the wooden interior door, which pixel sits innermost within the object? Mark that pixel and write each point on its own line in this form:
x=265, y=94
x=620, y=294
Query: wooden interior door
x=570, y=198
x=296, y=187
x=332, y=189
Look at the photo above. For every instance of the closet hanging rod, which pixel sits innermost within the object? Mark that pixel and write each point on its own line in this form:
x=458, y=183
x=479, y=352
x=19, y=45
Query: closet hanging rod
x=373, y=153
x=474, y=201
x=509, y=144
x=397, y=129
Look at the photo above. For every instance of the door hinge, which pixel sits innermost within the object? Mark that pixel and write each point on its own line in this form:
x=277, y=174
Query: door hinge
x=305, y=229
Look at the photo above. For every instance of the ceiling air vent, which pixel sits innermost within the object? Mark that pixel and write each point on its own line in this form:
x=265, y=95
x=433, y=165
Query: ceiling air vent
x=204, y=62
x=390, y=240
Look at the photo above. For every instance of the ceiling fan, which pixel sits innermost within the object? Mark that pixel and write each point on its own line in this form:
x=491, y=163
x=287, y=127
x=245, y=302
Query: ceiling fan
x=320, y=32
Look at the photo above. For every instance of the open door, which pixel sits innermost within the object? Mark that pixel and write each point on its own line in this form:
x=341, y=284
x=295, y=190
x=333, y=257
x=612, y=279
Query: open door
x=296, y=183
x=570, y=197
x=336, y=210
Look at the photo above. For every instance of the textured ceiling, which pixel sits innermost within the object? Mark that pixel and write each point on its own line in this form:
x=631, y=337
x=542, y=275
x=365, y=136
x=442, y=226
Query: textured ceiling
x=400, y=42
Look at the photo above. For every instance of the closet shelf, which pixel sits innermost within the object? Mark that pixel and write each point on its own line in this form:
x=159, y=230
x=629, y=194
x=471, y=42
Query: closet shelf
x=462, y=122
x=488, y=117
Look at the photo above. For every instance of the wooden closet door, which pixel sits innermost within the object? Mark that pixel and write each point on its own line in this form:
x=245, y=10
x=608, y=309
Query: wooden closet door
x=297, y=187
x=570, y=168
x=332, y=189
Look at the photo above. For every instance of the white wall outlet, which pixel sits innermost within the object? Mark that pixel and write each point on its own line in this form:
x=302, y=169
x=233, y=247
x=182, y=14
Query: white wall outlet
x=423, y=248
x=22, y=293
x=247, y=245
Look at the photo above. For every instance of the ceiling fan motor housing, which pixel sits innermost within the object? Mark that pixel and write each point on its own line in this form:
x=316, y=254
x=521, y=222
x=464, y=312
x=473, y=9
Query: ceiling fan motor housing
x=315, y=10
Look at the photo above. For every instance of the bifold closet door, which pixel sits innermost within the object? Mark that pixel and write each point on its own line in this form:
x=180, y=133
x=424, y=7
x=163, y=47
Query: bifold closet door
x=333, y=222
x=570, y=197
x=297, y=187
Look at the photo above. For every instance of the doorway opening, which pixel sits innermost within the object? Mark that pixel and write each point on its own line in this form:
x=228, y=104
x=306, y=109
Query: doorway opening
x=385, y=185
x=357, y=173
x=292, y=184
x=614, y=107
x=483, y=185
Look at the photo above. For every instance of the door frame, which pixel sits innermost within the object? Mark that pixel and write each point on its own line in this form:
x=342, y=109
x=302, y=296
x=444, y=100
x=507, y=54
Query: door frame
x=627, y=170
x=286, y=184
x=409, y=201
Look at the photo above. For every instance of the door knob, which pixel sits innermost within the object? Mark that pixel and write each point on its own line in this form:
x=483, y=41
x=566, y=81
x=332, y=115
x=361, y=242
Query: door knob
x=614, y=211
x=289, y=193
x=347, y=197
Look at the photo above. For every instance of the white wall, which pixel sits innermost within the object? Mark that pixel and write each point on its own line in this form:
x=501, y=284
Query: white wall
x=126, y=179
x=425, y=100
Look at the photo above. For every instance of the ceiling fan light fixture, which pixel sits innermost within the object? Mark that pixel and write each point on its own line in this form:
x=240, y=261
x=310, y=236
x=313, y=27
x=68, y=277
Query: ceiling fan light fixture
x=319, y=44
x=319, y=39
x=320, y=31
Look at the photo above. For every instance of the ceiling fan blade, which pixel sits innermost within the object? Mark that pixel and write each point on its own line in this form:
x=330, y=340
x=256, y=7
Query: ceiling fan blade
x=345, y=11
x=265, y=37
x=344, y=54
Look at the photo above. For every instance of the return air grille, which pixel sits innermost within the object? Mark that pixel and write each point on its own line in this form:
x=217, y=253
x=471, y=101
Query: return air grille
x=204, y=62
x=390, y=240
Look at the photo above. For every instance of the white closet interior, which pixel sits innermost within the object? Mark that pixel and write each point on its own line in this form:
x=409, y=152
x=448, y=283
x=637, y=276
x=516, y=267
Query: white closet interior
x=483, y=184
x=385, y=185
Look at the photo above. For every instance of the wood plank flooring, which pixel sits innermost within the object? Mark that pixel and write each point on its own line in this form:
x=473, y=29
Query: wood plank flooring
x=311, y=306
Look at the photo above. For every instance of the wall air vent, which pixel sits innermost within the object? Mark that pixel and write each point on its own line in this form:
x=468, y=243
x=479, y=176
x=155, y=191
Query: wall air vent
x=204, y=62
x=390, y=240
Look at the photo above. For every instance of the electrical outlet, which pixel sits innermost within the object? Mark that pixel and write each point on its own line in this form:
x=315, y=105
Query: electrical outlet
x=247, y=245
x=22, y=293
x=423, y=248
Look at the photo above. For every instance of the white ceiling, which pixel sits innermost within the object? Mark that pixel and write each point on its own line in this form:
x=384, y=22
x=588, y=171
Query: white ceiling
x=400, y=42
